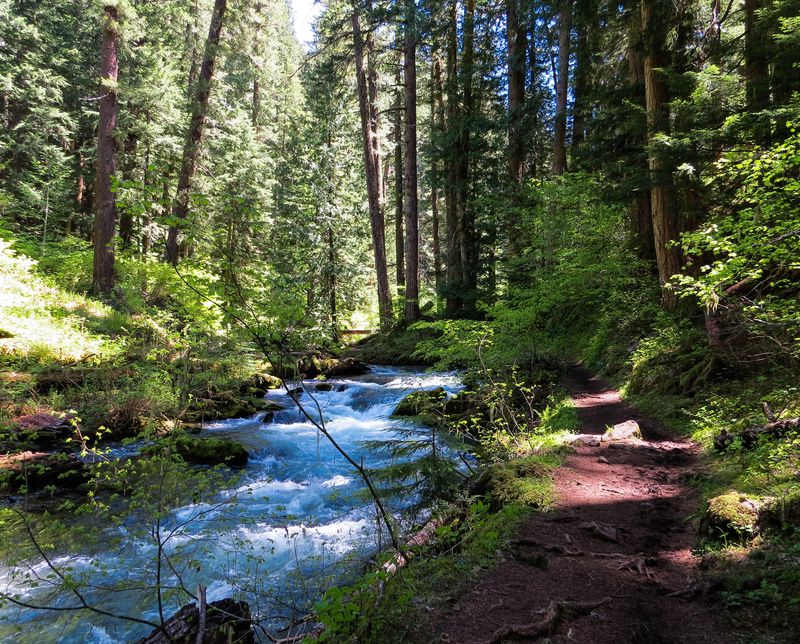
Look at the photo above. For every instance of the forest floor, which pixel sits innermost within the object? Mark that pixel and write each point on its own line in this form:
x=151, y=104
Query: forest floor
x=612, y=562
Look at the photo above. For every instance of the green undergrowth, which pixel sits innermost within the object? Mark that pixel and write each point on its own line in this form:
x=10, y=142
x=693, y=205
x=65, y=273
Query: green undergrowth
x=396, y=347
x=126, y=364
x=383, y=607
x=668, y=371
x=517, y=460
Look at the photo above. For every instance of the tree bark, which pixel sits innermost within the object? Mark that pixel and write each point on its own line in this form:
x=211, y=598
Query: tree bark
x=560, y=134
x=437, y=122
x=373, y=176
x=662, y=198
x=332, y=286
x=516, y=40
x=466, y=215
x=640, y=217
x=105, y=214
x=586, y=19
x=191, y=150
x=411, y=206
x=756, y=58
x=454, y=286
x=399, y=187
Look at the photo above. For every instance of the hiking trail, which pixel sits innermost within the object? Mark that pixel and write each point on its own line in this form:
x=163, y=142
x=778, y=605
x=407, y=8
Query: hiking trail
x=612, y=561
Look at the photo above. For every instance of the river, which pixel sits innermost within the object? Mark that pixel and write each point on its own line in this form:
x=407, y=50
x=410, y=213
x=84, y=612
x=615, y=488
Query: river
x=293, y=522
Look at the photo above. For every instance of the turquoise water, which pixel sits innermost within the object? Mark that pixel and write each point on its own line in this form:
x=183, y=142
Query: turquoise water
x=277, y=536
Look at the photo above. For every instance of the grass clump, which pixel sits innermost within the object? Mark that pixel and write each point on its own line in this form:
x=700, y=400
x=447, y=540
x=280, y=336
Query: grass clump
x=524, y=481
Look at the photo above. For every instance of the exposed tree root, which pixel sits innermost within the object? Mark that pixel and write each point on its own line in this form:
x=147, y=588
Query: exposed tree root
x=553, y=616
x=561, y=550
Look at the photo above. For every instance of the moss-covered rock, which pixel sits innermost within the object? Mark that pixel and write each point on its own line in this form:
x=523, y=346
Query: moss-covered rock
x=314, y=365
x=219, y=406
x=36, y=472
x=780, y=514
x=730, y=516
x=420, y=402
x=524, y=481
x=205, y=451
x=259, y=384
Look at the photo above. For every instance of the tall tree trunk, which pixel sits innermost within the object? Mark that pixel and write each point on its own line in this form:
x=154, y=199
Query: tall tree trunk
x=373, y=177
x=469, y=255
x=411, y=207
x=126, y=223
x=454, y=272
x=80, y=188
x=105, y=215
x=655, y=20
x=399, y=240
x=437, y=123
x=562, y=80
x=191, y=150
x=516, y=41
x=756, y=55
x=640, y=217
x=374, y=114
x=586, y=19
x=332, y=286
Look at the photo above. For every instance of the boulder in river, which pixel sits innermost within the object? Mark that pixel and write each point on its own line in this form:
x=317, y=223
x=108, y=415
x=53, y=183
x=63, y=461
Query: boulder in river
x=205, y=451
x=346, y=367
x=259, y=385
x=420, y=402
x=224, y=405
x=226, y=621
x=313, y=365
x=35, y=472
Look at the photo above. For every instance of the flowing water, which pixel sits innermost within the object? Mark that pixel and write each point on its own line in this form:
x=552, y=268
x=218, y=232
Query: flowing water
x=277, y=534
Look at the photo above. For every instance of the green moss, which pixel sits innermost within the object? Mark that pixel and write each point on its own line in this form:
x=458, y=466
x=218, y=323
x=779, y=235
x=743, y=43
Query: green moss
x=730, y=516
x=525, y=481
x=203, y=451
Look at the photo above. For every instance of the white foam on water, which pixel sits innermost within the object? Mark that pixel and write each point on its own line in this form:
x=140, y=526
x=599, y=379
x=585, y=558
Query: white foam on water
x=337, y=481
x=294, y=505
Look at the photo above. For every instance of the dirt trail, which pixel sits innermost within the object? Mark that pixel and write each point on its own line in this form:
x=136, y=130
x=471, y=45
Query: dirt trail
x=618, y=535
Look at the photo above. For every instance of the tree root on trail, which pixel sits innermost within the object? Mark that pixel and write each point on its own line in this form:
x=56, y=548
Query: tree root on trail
x=553, y=615
x=637, y=564
x=562, y=550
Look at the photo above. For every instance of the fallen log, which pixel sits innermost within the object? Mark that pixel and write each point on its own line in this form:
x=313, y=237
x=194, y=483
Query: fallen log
x=750, y=436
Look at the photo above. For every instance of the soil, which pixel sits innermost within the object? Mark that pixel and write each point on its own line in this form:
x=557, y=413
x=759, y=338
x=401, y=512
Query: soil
x=621, y=533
